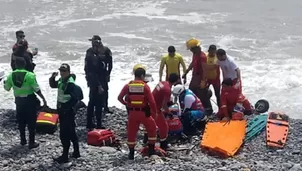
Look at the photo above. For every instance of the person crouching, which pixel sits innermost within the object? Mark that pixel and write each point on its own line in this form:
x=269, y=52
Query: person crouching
x=234, y=104
x=193, y=113
x=66, y=102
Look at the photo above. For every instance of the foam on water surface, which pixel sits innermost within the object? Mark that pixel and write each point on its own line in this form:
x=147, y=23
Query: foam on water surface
x=267, y=49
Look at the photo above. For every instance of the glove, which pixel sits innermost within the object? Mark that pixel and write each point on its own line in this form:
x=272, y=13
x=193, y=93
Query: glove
x=203, y=84
x=108, y=79
x=237, y=85
x=54, y=74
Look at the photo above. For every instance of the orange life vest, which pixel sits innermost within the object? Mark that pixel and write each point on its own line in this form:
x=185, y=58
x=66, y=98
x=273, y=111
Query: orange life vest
x=136, y=96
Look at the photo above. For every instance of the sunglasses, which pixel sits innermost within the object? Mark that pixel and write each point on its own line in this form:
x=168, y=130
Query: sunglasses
x=63, y=70
x=23, y=36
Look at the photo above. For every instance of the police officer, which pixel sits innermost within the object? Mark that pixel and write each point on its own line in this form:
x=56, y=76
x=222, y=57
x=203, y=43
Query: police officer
x=97, y=80
x=66, y=102
x=25, y=86
x=105, y=56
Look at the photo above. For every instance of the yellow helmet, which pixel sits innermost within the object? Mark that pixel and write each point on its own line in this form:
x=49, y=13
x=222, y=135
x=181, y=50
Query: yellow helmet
x=138, y=66
x=192, y=43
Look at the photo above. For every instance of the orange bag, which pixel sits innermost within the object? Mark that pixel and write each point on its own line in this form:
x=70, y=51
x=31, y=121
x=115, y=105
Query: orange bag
x=47, y=122
x=101, y=137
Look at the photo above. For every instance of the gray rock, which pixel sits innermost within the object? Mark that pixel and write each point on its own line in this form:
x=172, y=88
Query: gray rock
x=296, y=167
x=107, y=149
x=287, y=165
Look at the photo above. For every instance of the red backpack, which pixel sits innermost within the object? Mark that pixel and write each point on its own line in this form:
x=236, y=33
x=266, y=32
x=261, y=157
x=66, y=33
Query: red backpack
x=101, y=137
x=175, y=125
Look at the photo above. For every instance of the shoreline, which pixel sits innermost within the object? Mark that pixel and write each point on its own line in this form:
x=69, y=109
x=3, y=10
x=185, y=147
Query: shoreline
x=254, y=155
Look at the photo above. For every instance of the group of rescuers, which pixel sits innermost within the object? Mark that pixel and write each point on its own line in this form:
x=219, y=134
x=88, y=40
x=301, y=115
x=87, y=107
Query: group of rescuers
x=143, y=106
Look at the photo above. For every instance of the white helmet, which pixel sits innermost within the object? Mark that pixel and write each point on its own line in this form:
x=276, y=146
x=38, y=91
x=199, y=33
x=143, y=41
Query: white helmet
x=178, y=89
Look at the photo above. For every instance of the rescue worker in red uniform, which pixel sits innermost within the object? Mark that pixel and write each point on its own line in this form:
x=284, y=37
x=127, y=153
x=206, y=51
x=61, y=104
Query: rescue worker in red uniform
x=198, y=81
x=162, y=95
x=141, y=110
x=234, y=104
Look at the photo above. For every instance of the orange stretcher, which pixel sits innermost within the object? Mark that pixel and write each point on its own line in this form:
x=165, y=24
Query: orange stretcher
x=277, y=129
x=224, y=137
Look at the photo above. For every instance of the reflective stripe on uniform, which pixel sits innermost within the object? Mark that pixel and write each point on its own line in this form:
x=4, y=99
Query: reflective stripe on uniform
x=223, y=106
x=152, y=138
x=163, y=139
x=136, y=102
x=131, y=143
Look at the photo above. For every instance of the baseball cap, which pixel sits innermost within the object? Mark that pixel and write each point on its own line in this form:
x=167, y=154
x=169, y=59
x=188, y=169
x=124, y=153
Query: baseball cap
x=64, y=67
x=95, y=37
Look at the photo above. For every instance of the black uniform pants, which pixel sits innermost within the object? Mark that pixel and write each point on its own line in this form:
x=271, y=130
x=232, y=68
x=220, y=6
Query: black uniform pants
x=68, y=131
x=26, y=116
x=95, y=108
x=105, y=100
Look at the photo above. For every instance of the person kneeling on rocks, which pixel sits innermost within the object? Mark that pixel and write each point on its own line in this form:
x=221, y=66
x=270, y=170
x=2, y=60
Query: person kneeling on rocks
x=25, y=86
x=141, y=110
x=193, y=113
x=66, y=102
x=234, y=104
x=162, y=95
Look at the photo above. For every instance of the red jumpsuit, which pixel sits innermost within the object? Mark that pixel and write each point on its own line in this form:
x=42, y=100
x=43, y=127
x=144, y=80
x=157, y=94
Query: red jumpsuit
x=161, y=94
x=197, y=73
x=229, y=98
x=139, y=96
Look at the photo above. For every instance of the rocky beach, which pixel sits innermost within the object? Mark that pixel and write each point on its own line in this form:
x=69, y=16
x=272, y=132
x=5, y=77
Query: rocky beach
x=254, y=155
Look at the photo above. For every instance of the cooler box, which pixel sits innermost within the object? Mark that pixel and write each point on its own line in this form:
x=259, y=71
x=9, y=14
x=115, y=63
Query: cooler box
x=47, y=122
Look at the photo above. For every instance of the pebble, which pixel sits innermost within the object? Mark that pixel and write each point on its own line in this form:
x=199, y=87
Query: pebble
x=254, y=155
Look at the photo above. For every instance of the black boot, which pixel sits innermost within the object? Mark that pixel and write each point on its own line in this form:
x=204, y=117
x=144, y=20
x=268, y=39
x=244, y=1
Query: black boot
x=64, y=157
x=76, y=150
x=23, y=139
x=151, y=149
x=145, y=140
x=164, y=145
x=32, y=143
x=131, y=154
x=107, y=110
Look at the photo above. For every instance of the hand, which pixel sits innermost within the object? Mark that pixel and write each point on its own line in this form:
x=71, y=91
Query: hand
x=54, y=74
x=100, y=89
x=203, y=84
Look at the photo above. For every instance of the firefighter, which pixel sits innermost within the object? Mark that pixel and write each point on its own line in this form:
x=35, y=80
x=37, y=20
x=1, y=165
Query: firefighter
x=141, y=110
